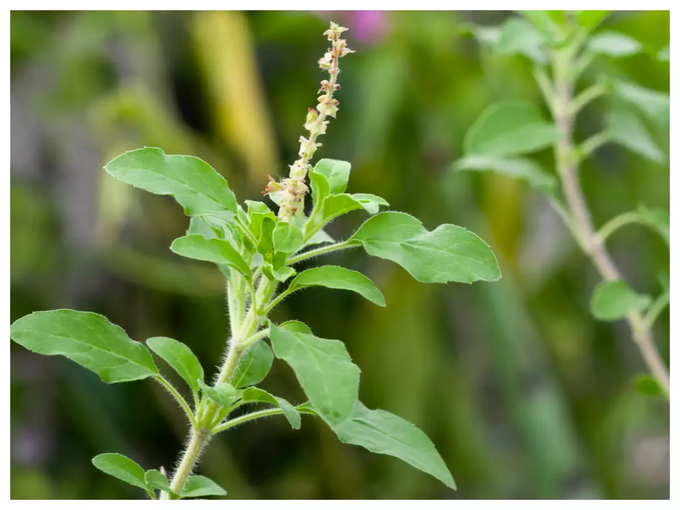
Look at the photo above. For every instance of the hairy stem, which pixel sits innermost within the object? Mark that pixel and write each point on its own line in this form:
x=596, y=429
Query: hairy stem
x=191, y=454
x=567, y=167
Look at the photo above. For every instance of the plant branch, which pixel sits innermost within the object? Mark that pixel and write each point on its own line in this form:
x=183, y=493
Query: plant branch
x=657, y=307
x=593, y=143
x=250, y=417
x=320, y=251
x=616, y=223
x=588, y=95
x=180, y=400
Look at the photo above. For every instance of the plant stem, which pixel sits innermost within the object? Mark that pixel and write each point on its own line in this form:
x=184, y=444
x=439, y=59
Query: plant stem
x=567, y=167
x=320, y=251
x=616, y=223
x=196, y=443
x=657, y=307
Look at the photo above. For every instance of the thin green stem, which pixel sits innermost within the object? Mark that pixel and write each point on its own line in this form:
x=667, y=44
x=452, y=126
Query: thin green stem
x=263, y=333
x=252, y=416
x=616, y=223
x=593, y=143
x=587, y=96
x=657, y=307
x=180, y=400
x=545, y=87
x=276, y=301
x=320, y=251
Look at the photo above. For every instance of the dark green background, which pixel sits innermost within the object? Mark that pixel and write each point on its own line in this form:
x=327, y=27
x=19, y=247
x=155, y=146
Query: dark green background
x=524, y=394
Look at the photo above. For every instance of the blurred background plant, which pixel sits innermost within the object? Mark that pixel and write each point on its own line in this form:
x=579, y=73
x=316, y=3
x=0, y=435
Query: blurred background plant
x=525, y=395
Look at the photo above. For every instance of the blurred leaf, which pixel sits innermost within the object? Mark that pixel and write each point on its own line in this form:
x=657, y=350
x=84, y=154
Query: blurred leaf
x=627, y=130
x=646, y=384
x=591, y=19
x=198, y=486
x=88, y=339
x=323, y=367
x=614, y=299
x=653, y=103
x=119, y=466
x=447, y=254
x=382, y=432
x=664, y=53
x=487, y=36
x=546, y=22
x=224, y=394
x=180, y=358
x=336, y=173
x=191, y=181
x=656, y=219
x=517, y=168
x=508, y=129
x=614, y=44
x=216, y=251
x=519, y=37
x=254, y=365
x=336, y=277
x=253, y=394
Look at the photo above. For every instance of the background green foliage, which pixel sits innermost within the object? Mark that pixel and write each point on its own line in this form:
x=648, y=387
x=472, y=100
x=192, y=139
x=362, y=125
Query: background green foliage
x=524, y=394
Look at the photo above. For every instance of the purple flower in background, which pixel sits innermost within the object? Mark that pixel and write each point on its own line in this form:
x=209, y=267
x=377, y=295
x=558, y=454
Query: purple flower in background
x=369, y=27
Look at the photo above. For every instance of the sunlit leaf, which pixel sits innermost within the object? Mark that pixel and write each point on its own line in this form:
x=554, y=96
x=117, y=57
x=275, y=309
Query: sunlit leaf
x=336, y=173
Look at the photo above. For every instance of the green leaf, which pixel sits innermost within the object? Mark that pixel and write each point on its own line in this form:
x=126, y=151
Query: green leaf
x=266, y=246
x=447, y=254
x=224, y=395
x=371, y=203
x=121, y=467
x=591, y=19
x=253, y=394
x=547, y=23
x=508, y=129
x=613, y=44
x=614, y=299
x=646, y=384
x=157, y=480
x=320, y=187
x=257, y=212
x=519, y=37
x=653, y=103
x=382, y=432
x=88, y=339
x=664, y=54
x=287, y=237
x=190, y=180
x=517, y=168
x=337, y=205
x=323, y=367
x=628, y=131
x=216, y=251
x=198, y=486
x=487, y=36
x=280, y=275
x=204, y=226
x=658, y=220
x=336, y=173
x=336, y=277
x=179, y=357
x=254, y=365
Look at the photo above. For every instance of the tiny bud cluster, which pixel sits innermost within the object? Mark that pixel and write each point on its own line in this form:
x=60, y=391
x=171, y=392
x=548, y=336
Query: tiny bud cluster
x=293, y=188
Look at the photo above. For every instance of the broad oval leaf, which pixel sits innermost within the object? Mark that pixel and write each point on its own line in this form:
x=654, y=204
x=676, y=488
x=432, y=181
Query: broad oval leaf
x=87, y=338
x=336, y=277
x=157, y=480
x=198, y=486
x=287, y=237
x=216, y=251
x=517, y=168
x=253, y=366
x=224, y=395
x=614, y=299
x=627, y=130
x=323, y=367
x=180, y=358
x=190, y=180
x=121, y=467
x=509, y=128
x=382, y=432
x=519, y=37
x=613, y=44
x=447, y=254
x=253, y=394
x=336, y=173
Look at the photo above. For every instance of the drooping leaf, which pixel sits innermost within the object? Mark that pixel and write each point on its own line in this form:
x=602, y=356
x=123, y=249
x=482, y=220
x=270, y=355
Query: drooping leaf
x=224, y=395
x=287, y=237
x=254, y=365
x=87, y=338
x=627, y=130
x=180, y=358
x=653, y=103
x=508, y=129
x=646, y=384
x=591, y=19
x=519, y=37
x=216, y=251
x=656, y=219
x=382, y=432
x=613, y=44
x=614, y=299
x=323, y=367
x=336, y=173
x=336, y=277
x=517, y=168
x=198, y=486
x=121, y=467
x=253, y=394
x=190, y=180
x=157, y=480
x=447, y=254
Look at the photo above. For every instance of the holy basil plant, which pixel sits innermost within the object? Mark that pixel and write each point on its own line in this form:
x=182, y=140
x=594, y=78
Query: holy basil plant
x=258, y=250
x=562, y=46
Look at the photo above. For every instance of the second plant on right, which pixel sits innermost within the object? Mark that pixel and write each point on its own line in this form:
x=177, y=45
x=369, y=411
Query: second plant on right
x=562, y=47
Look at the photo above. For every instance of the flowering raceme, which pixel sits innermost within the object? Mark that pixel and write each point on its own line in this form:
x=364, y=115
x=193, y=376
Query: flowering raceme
x=293, y=189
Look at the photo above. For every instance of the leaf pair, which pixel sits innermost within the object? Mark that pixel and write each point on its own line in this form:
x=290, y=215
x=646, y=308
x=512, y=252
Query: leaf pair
x=125, y=469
